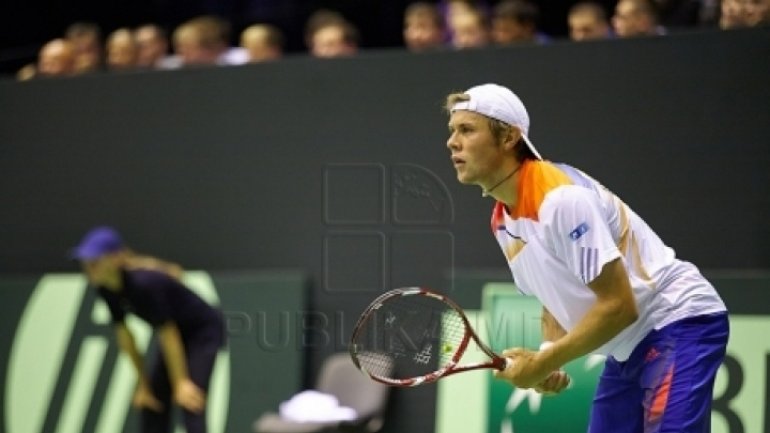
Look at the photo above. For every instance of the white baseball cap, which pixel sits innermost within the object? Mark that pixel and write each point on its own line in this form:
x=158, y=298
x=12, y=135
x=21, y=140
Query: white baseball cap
x=500, y=103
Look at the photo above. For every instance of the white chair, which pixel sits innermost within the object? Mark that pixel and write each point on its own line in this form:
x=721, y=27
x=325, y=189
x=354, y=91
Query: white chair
x=338, y=377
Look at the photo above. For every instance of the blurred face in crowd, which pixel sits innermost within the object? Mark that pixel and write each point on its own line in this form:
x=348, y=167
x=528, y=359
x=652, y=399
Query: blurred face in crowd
x=585, y=26
x=329, y=41
x=630, y=21
x=256, y=41
x=421, y=32
x=121, y=50
x=151, y=46
x=56, y=58
x=88, y=52
x=506, y=31
x=744, y=13
x=456, y=8
x=188, y=46
x=469, y=31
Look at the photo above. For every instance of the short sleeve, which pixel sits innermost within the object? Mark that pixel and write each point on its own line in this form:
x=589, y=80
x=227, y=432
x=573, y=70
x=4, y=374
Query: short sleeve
x=113, y=305
x=577, y=232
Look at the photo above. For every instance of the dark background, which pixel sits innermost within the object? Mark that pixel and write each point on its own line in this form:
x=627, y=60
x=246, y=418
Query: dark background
x=339, y=167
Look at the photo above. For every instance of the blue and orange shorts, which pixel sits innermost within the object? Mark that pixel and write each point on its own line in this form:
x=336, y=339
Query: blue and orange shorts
x=667, y=383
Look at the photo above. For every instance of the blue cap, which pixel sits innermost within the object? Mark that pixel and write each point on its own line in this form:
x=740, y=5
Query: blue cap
x=98, y=242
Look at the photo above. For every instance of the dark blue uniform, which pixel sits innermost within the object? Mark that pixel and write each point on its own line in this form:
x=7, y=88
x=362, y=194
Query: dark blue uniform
x=159, y=299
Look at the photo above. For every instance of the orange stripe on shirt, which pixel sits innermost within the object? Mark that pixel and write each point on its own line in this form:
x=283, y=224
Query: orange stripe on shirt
x=536, y=179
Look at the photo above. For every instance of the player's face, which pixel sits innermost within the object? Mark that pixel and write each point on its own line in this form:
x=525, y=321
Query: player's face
x=476, y=154
x=102, y=271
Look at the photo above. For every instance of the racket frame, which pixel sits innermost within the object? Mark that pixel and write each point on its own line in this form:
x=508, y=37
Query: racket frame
x=451, y=367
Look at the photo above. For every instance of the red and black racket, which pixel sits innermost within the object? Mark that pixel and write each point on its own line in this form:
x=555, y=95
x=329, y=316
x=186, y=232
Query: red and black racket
x=411, y=336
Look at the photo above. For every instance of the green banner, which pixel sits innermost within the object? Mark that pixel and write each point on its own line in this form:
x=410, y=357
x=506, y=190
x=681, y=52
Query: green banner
x=514, y=321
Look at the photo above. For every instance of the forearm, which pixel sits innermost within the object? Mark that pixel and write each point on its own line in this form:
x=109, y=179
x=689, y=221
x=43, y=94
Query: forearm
x=173, y=352
x=127, y=345
x=613, y=311
x=600, y=324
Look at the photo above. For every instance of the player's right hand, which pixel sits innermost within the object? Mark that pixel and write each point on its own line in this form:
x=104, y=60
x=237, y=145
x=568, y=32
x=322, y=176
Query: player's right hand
x=189, y=396
x=145, y=399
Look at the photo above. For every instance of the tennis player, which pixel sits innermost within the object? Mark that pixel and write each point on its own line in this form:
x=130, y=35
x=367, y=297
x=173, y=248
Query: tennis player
x=607, y=282
x=189, y=331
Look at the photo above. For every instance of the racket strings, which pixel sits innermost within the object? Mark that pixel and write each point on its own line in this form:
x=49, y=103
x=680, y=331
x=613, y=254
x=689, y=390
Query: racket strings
x=409, y=336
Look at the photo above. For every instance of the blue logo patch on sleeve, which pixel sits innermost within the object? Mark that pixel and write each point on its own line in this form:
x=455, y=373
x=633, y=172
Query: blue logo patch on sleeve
x=579, y=231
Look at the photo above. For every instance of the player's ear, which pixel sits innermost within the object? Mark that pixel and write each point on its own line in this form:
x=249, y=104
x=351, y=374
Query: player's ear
x=511, y=138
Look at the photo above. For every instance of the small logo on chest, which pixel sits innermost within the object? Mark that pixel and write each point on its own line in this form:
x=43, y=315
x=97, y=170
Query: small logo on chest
x=579, y=231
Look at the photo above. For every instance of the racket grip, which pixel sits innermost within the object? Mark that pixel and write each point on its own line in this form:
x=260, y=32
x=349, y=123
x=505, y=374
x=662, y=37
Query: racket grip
x=508, y=363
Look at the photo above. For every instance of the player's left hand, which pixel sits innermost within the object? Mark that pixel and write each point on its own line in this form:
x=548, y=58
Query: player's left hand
x=524, y=371
x=554, y=383
x=189, y=396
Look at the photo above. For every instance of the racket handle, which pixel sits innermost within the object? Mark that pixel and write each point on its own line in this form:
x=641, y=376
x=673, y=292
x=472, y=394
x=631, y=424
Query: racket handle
x=508, y=363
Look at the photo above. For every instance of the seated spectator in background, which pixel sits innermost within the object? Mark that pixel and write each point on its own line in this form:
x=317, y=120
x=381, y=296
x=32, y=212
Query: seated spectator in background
x=262, y=42
x=121, y=50
x=515, y=21
x=86, y=40
x=56, y=59
x=454, y=8
x=744, y=13
x=205, y=41
x=152, y=47
x=329, y=34
x=423, y=27
x=636, y=18
x=471, y=30
x=26, y=72
x=587, y=21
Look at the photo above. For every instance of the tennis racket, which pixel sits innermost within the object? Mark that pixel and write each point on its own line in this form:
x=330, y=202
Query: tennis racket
x=411, y=336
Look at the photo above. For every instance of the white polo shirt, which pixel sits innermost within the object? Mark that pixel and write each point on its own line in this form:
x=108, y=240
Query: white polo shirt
x=566, y=226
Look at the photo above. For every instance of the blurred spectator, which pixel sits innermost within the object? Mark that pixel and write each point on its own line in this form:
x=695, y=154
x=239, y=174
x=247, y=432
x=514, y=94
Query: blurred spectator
x=451, y=9
x=56, y=58
x=262, y=42
x=152, y=46
x=744, y=13
x=121, y=50
x=27, y=72
x=205, y=41
x=318, y=19
x=636, y=18
x=86, y=40
x=471, y=29
x=329, y=34
x=587, y=21
x=423, y=27
x=515, y=21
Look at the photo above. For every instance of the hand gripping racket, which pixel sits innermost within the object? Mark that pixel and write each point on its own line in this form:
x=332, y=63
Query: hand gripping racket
x=411, y=336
